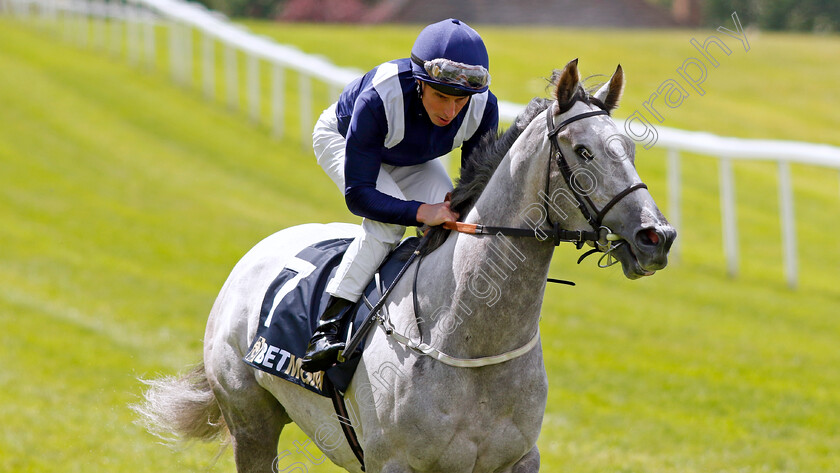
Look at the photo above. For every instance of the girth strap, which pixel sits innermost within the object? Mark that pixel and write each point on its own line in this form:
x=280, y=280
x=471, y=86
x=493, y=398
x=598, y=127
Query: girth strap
x=345, y=421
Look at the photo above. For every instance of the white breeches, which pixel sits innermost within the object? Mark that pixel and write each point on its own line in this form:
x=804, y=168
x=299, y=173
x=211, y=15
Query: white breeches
x=427, y=182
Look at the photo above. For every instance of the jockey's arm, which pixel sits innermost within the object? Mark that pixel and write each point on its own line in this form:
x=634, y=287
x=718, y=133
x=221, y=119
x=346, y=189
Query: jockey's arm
x=361, y=169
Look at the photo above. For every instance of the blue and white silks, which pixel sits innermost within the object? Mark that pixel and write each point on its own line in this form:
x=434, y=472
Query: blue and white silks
x=384, y=122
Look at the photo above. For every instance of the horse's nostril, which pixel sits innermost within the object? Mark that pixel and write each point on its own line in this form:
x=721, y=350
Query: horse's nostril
x=649, y=237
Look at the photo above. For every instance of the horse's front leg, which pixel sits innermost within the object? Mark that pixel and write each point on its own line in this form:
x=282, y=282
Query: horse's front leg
x=530, y=463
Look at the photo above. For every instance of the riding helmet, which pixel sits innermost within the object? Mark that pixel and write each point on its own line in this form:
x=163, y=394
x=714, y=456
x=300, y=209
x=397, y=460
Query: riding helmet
x=451, y=57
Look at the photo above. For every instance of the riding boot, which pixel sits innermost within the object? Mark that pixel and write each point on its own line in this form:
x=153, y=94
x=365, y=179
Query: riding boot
x=324, y=346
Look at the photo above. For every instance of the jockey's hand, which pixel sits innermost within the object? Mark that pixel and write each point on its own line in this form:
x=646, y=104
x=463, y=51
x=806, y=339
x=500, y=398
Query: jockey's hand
x=436, y=214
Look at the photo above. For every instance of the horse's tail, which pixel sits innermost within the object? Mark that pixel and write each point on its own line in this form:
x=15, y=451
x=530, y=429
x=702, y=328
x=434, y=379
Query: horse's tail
x=182, y=408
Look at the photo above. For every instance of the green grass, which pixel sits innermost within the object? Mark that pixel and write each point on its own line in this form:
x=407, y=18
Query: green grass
x=125, y=201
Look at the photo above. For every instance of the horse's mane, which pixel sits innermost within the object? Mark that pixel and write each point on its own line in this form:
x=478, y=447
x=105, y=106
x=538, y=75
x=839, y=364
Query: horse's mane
x=478, y=167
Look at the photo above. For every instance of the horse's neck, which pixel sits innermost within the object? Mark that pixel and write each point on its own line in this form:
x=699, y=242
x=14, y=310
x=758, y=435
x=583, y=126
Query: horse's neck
x=488, y=300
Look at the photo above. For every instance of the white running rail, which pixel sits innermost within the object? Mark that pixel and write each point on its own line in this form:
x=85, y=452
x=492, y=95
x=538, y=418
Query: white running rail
x=130, y=27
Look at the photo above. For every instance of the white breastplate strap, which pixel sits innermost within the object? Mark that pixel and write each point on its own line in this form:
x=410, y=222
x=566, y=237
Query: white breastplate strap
x=425, y=349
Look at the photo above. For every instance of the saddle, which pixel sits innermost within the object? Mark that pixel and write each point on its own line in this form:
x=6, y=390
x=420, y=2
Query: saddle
x=294, y=301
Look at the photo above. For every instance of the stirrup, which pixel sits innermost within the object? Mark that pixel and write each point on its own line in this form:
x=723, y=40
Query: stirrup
x=340, y=356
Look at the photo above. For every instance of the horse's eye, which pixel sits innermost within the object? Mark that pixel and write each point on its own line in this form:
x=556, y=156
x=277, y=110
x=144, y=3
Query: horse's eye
x=584, y=153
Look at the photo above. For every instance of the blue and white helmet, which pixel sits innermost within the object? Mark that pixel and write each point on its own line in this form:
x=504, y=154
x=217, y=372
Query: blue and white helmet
x=451, y=57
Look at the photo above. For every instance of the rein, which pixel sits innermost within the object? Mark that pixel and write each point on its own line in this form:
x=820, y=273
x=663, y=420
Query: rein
x=559, y=235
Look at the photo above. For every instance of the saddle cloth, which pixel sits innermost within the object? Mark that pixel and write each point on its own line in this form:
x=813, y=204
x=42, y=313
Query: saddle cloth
x=295, y=300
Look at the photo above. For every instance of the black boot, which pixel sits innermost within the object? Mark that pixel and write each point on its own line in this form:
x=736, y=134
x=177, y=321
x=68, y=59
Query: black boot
x=324, y=346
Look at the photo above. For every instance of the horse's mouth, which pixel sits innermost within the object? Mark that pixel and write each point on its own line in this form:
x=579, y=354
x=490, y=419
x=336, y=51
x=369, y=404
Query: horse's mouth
x=630, y=264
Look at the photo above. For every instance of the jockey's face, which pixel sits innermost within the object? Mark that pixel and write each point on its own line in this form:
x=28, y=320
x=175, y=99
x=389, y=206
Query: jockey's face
x=442, y=108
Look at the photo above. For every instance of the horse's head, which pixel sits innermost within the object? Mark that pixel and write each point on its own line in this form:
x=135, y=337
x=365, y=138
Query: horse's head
x=593, y=180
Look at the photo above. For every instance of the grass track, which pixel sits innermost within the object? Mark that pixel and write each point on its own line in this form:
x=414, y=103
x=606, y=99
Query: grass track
x=125, y=201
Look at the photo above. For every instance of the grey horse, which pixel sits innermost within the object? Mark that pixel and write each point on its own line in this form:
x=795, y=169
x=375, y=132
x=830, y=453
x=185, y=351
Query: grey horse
x=457, y=382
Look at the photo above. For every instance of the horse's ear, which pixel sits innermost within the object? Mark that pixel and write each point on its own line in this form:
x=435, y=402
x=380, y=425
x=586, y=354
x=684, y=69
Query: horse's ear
x=567, y=84
x=610, y=93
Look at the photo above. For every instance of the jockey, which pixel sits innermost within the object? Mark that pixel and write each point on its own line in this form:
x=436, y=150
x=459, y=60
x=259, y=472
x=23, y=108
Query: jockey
x=379, y=144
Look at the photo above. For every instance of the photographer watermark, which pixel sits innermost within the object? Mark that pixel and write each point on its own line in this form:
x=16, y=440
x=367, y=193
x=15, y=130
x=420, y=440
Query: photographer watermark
x=283, y=465
x=693, y=72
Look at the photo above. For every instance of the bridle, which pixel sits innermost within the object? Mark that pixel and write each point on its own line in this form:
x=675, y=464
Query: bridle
x=583, y=200
x=587, y=208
